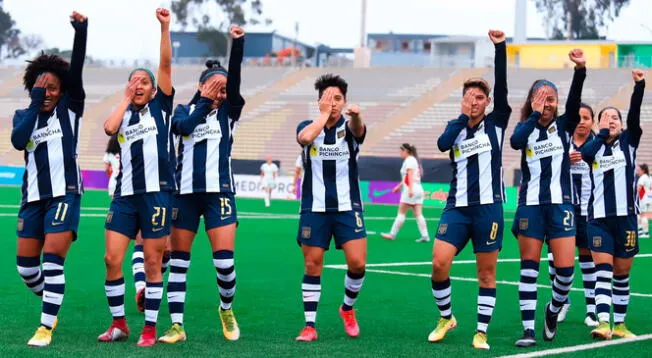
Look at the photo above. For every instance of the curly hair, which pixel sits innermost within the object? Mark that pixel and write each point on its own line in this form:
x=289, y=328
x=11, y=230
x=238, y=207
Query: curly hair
x=330, y=80
x=46, y=63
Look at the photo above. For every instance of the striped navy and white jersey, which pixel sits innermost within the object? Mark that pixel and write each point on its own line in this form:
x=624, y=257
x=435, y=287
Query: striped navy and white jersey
x=145, y=150
x=476, y=152
x=51, y=168
x=50, y=140
x=545, y=161
x=205, y=152
x=331, y=182
x=613, y=165
x=581, y=174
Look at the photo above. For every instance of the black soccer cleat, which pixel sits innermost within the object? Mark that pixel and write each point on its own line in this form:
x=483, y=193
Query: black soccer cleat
x=550, y=324
x=527, y=340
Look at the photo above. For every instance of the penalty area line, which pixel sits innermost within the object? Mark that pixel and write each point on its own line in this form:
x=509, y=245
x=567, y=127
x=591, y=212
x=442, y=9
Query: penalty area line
x=581, y=347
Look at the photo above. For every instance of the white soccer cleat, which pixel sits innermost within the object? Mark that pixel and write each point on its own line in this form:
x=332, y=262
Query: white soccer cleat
x=563, y=312
x=423, y=239
x=591, y=320
x=387, y=236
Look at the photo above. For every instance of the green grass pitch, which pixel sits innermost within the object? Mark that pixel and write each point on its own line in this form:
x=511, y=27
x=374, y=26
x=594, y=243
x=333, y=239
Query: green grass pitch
x=395, y=311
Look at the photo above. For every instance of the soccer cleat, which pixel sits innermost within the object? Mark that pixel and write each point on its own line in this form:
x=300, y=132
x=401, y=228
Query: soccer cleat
x=564, y=311
x=42, y=337
x=620, y=330
x=117, y=332
x=443, y=326
x=173, y=335
x=602, y=331
x=230, y=326
x=549, y=324
x=350, y=323
x=423, y=239
x=308, y=334
x=527, y=340
x=591, y=320
x=387, y=236
x=147, y=337
x=480, y=341
x=140, y=300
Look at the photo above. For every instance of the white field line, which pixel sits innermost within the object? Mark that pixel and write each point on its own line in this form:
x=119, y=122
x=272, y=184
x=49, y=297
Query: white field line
x=581, y=347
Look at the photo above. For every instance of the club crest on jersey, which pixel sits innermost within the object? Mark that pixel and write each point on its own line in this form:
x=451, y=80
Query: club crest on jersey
x=305, y=232
x=597, y=241
x=341, y=133
x=21, y=225
x=552, y=129
x=442, y=229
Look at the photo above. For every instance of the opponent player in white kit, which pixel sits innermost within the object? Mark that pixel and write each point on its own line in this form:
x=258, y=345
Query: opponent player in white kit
x=411, y=194
x=268, y=173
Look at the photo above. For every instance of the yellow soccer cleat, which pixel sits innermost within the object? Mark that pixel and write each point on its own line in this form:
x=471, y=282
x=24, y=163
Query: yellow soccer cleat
x=443, y=326
x=620, y=330
x=173, y=335
x=42, y=338
x=229, y=325
x=602, y=331
x=480, y=341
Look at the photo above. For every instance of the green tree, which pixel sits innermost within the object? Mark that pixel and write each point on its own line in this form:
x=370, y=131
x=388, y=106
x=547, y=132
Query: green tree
x=210, y=31
x=584, y=18
x=10, y=43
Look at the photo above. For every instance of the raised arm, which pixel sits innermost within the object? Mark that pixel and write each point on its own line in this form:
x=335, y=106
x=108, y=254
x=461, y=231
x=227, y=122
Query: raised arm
x=75, y=85
x=634, y=114
x=571, y=117
x=235, y=65
x=501, y=106
x=164, y=75
x=24, y=121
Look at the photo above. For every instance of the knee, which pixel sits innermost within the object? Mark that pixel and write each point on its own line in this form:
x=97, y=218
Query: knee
x=487, y=277
x=112, y=261
x=357, y=265
x=314, y=266
x=439, y=265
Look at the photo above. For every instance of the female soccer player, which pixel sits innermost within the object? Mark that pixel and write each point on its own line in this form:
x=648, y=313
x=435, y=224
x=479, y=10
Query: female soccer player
x=545, y=211
x=643, y=186
x=330, y=200
x=142, y=196
x=268, y=173
x=613, y=207
x=474, y=210
x=411, y=194
x=112, y=162
x=581, y=192
x=205, y=186
x=48, y=132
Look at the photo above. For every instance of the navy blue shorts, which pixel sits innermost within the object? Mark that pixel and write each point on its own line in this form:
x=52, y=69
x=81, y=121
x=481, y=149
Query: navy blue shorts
x=482, y=224
x=317, y=229
x=615, y=235
x=218, y=209
x=581, y=237
x=545, y=222
x=148, y=213
x=48, y=216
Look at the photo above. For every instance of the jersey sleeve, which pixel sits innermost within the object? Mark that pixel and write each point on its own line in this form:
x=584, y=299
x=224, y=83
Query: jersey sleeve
x=300, y=127
x=106, y=158
x=411, y=163
x=299, y=162
x=165, y=100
